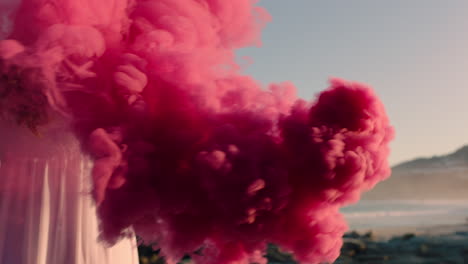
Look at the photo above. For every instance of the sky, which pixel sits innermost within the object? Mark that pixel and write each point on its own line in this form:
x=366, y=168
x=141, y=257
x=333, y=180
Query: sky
x=413, y=53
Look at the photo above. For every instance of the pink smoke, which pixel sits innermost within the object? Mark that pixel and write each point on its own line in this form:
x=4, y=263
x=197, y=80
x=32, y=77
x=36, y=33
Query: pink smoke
x=188, y=152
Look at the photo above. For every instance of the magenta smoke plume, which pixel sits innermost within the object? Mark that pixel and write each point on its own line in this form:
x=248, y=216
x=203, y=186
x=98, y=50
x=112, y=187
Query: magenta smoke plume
x=188, y=152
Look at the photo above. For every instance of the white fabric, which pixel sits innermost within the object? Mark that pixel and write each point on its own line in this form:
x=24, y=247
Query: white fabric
x=47, y=215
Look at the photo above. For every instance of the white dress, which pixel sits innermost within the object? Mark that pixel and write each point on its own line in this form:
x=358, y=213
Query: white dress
x=47, y=215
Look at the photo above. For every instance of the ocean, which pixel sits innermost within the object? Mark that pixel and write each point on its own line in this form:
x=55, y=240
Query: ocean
x=399, y=213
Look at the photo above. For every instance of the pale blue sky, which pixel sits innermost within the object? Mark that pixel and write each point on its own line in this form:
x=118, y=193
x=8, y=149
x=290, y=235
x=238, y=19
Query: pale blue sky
x=414, y=54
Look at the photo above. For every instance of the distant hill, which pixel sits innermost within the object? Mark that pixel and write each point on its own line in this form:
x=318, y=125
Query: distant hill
x=438, y=177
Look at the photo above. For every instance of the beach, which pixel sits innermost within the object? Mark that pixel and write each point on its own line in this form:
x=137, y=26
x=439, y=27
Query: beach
x=444, y=244
x=400, y=232
x=406, y=231
x=391, y=232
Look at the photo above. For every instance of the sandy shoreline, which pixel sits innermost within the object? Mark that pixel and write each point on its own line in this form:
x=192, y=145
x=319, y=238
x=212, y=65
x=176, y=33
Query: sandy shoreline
x=386, y=233
x=443, y=244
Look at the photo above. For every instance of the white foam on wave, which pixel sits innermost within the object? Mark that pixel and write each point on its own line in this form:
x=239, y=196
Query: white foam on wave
x=390, y=213
x=375, y=214
x=414, y=202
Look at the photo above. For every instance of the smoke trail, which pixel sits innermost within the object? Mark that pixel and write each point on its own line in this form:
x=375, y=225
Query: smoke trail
x=188, y=152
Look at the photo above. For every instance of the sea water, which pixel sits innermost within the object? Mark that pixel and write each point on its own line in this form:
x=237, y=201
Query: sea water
x=402, y=213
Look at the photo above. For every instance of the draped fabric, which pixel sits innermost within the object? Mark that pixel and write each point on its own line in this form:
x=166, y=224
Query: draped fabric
x=47, y=215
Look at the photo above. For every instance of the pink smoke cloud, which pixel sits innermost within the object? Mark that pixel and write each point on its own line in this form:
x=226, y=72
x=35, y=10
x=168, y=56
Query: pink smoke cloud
x=188, y=152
